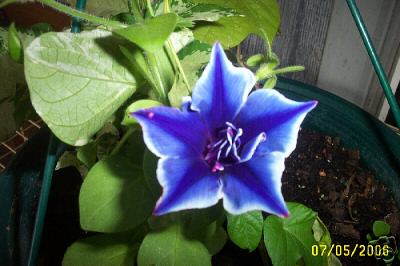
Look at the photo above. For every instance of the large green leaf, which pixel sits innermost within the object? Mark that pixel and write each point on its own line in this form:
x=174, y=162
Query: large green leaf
x=102, y=250
x=259, y=16
x=77, y=81
x=171, y=247
x=104, y=8
x=289, y=240
x=152, y=33
x=229, y=31
x=114, y=196
x=190, y=12
x=245, y=230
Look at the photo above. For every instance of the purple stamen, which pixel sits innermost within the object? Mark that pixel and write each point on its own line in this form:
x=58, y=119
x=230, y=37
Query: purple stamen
x=226, y=149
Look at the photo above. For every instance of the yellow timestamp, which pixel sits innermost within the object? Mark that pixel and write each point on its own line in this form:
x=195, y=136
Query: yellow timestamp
x=350, y=251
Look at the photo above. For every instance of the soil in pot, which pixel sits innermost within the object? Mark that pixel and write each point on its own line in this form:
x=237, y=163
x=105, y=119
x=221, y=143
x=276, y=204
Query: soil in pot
x=331, y=180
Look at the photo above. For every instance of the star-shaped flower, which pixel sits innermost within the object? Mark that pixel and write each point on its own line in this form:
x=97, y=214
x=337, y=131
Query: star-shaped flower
x=224, y=143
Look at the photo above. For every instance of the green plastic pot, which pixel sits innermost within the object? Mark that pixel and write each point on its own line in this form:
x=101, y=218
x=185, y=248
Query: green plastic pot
x=20, y=184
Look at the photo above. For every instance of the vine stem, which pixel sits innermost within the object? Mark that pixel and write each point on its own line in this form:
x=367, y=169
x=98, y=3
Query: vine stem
x=121, y=142
x=239, y=56
x=171, y=52
x=82, y=15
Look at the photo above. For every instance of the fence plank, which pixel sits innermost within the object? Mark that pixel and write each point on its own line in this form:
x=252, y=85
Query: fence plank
x=304, y=26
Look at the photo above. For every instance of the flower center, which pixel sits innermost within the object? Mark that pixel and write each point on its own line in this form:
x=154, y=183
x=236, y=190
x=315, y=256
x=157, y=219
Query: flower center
x=224, y=151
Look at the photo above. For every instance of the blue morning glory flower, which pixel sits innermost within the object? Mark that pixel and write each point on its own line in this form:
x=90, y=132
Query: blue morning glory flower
x=224, y=143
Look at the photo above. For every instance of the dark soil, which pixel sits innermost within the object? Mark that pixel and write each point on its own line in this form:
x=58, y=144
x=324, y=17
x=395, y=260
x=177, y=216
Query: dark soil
x=330, y=179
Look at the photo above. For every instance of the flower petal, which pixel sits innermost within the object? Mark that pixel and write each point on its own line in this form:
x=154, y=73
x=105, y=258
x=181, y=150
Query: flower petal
x=187, y=184
x=221, y=90
x=171, y=132
x=255, y=185
x=280, y=118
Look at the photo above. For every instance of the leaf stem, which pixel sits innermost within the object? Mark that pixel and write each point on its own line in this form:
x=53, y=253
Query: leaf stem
x=136, y=10
x=150, y=8
x=171, y=52
x=238, y=56
x=166, y=6
x=82, y=15
x=124, y=138
x=153, y=66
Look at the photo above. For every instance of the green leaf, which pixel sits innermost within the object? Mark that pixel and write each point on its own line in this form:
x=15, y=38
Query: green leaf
x=171, y=247
x=270, y=82
x=140, y=104
x=245, y=230
x=105, y=8
x=229, y=31
x=102, y=250
x=15, y=48
x=87, y=154
x=194, y=57
x=138, y=62
x=192, y=12
x=106, y=139
x=380, y=228
x=177, y=92
x=289, y=240
x=197, y=222
x=77, y=81
x=259, y=17
x=23, y=109
x=152, y=33
x=181, y=39
x=41, y=28
x=215, y=241
x=68, y=159
x=265, y=71
x=334, y=261
x=114, y=196
x=255, y=60
x=134, y=148
x=321, y=232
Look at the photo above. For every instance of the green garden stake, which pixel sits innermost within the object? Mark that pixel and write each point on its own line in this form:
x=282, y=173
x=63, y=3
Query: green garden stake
x=76, y=22
x=53, y=154
x=394, y=107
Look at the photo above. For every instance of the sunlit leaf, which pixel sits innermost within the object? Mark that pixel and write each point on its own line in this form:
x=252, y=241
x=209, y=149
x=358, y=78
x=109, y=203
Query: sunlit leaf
x=77, y=81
